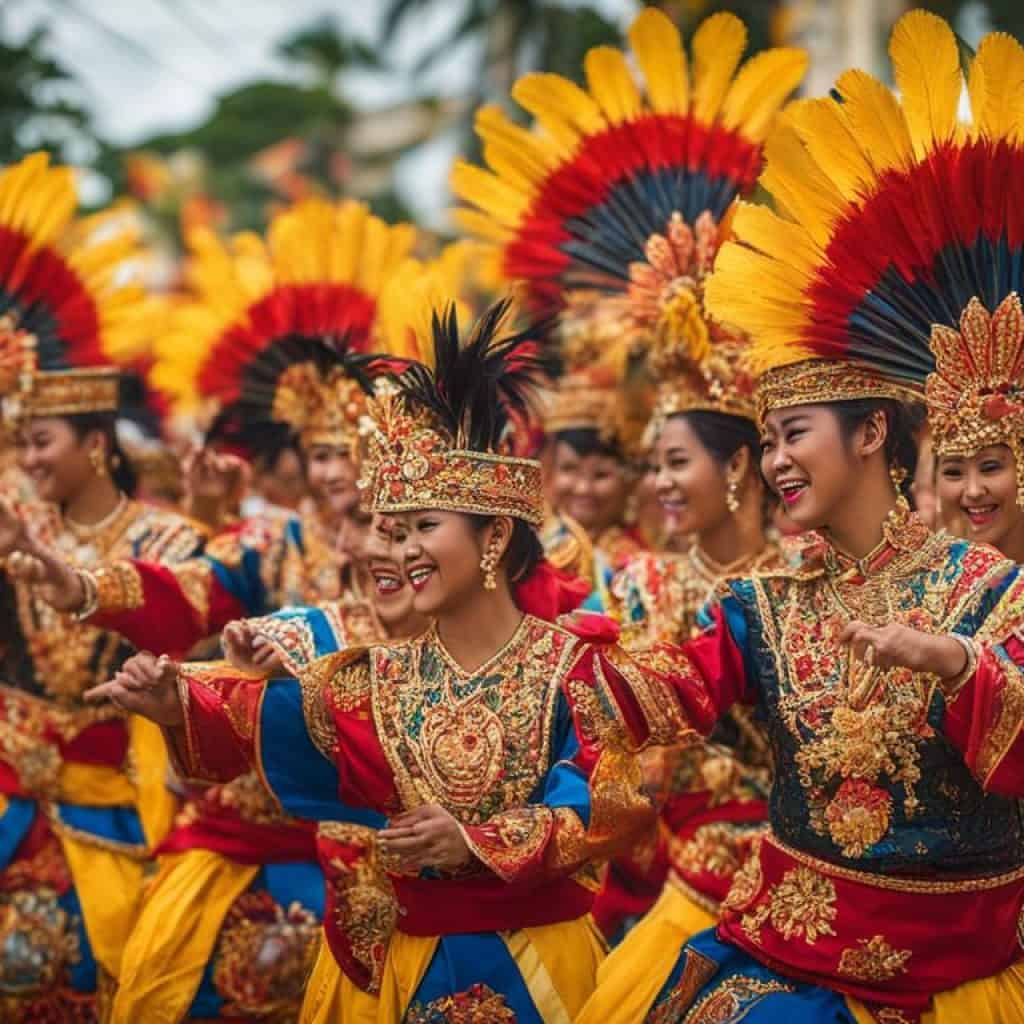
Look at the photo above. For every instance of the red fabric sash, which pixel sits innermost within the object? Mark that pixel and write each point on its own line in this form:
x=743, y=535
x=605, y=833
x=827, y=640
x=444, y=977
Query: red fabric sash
x=888, y=941
x=428, y=906
x=245, y=841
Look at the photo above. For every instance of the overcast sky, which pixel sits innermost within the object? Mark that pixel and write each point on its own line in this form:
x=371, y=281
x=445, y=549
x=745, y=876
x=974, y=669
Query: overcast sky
x=148, y=66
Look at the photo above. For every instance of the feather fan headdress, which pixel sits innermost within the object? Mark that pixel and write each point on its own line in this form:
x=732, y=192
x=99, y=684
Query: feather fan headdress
x=274, y=327
x=895, y=258
x=610, y=211
x=440, y=436
x=68, y=314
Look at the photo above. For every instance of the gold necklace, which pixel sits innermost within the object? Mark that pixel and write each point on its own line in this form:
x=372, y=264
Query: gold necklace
x=85, y=531
x=713, y=571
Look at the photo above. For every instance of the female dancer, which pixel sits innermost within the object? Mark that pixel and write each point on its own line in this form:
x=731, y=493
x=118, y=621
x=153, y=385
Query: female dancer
x=887, y=665
x=620, y=229
x=471, y=738
x=83, y=788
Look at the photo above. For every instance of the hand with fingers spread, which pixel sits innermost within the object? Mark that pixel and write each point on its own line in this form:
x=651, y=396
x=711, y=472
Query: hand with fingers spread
x=53, y=579
x=246, y=649
x=425, y=837
x=146, y=685
x=897, y=646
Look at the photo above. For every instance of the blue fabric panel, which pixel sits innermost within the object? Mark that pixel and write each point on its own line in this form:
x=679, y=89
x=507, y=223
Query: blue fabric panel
x=462, y=961
x=244, y=583
x=796, y=1003
x=120, y=824
x=14, y=826
x=295, y=882
x=83, y=973
x=302, y=779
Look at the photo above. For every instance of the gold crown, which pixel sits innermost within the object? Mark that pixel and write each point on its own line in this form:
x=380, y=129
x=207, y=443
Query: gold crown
x=409, y=465
x=320, y=409
x=28, y=391
x=814, y=381
x=975, y=395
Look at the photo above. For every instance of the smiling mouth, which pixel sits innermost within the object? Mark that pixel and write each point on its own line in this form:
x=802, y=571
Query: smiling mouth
x=419, y=576
x=387, y=583
x=979, y=515
x=791, y=490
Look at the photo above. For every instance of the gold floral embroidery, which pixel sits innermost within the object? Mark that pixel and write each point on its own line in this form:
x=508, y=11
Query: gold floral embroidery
x=476, y=742
x=747, y=882
x=718, y=848
x=697, y=971
x=802, y=905
x=731, y=1000
x=477, y=1005
x=118, y=587
x=511, y=839
x=1006, y=722
x=873, y=960
x=858, y=816
x=338, y=682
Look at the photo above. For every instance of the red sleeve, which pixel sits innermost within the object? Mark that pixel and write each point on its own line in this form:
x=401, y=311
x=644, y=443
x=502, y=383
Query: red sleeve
x=164, y=609
x=664, y=694
x=220, y=737
x=984, y=718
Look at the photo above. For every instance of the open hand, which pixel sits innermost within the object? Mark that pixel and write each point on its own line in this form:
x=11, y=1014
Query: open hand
x=246, y=649
x=425, y=837
x=214, y=484
x=146, y=685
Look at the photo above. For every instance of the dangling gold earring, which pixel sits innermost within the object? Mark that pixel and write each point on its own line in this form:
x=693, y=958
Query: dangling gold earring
x=732, y=501
x=488, y=564
x=898, y=475
x=98, y=460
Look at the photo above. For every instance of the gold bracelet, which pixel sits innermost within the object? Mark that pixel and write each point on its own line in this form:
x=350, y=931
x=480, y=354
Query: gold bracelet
x=91, y=595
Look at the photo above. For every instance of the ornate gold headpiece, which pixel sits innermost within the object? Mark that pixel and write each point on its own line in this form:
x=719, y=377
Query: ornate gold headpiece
x=412, y=463
x=320, y=408
x=438, y=435
x=975, y=395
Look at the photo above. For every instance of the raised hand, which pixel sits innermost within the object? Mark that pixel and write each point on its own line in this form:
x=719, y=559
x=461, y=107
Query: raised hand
x=13, y=533
x=214, y=484
x=246, y=649
x=53, y=579
x=146, y=685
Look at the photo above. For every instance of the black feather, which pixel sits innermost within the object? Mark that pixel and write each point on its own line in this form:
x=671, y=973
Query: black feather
x=475, y=387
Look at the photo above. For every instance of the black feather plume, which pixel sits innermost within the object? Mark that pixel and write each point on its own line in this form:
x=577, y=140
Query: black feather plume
x=475, y=387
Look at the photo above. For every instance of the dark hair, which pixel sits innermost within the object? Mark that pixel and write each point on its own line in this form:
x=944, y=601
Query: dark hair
x=586, y=441
x=122, y=472
x=723, y=435
x=900, y=447
x=524, y=550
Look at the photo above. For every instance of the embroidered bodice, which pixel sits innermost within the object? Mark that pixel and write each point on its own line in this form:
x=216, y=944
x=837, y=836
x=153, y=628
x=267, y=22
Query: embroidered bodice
x=476, y=742
x=48, y=654
x=864, y=775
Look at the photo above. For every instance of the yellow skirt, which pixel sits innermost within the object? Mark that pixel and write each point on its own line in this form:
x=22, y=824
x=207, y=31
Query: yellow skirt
x=630, y=979
x=995, y=1000
x=558, y=963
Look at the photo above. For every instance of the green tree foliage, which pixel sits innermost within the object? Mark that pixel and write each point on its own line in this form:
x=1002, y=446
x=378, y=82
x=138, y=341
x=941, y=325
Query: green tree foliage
x=38, y=105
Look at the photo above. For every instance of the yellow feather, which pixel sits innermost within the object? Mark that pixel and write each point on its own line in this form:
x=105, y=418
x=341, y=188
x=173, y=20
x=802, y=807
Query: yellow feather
x=16, y=182
x=826, y=136
x=760, y=228
x=659, y=52
x=717, y=47
x=876, y=121
x=498, y=198
x=611, y=83
x=511, y=151
x=760, y=89
x=996, y=87
x=798, y=185
x=561, y=106
x=926, y=66
x=350, y=219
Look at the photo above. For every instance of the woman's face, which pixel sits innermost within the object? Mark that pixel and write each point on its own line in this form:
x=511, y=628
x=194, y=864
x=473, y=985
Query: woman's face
x=332, y=479
x=807, y=463
x=982, y=489
x=284, y=482
x=55, y=459
x=591, y=488
x=392, y=591
x=691, y=485
x=440, y=554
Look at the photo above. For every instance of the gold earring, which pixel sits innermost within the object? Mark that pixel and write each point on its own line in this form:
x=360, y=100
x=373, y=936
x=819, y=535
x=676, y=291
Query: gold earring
x=98, y=460
x=487, y=566
x=898, y=475
x=732, y=501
